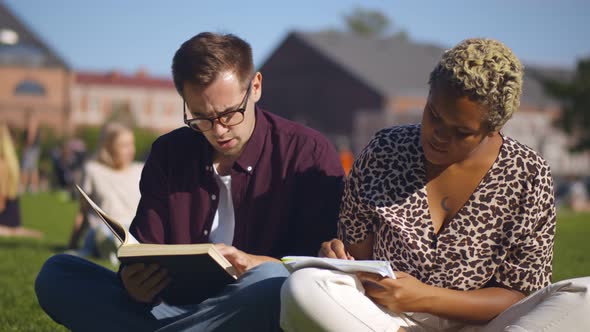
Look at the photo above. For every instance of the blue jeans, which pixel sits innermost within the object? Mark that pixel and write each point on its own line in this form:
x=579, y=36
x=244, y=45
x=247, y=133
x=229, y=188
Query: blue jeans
x=84, y=296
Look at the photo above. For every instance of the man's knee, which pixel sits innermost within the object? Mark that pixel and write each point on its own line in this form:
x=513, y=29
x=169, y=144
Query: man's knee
x=269, y=277
x=51, y=272
x=269, y=274
x=50, y=280
x=270, y=270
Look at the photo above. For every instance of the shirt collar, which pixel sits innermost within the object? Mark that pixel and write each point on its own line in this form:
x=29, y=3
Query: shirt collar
x=253, y=148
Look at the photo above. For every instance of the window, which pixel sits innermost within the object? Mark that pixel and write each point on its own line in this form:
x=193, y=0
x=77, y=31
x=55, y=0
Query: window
x=29, y=88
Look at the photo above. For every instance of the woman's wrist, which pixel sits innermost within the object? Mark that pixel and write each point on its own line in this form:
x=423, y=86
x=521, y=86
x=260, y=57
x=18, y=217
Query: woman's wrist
x=434, y=299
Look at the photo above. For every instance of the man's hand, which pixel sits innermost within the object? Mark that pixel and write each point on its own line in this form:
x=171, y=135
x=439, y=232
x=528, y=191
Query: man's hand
x=404, y=294
x=240, y=260
x=143, y=282
x=334, y=249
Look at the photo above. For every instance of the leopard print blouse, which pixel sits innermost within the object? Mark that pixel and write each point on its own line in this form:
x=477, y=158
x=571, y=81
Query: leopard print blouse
x=502, y=236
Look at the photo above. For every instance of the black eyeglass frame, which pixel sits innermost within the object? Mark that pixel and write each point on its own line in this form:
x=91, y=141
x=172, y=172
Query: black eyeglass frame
x=241, y=109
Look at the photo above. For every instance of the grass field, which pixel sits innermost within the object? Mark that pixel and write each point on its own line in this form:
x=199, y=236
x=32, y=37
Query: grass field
x=22, y=258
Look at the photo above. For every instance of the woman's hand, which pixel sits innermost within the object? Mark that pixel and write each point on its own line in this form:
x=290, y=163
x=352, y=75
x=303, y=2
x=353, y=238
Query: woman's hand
x=144, y=282
x=334, y=249
x=404, y=294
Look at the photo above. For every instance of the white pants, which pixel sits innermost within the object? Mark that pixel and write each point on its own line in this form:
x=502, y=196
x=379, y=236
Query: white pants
x=324, y=300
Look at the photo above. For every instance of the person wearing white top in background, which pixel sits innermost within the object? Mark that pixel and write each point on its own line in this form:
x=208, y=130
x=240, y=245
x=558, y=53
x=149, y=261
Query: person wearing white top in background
x=111, y=179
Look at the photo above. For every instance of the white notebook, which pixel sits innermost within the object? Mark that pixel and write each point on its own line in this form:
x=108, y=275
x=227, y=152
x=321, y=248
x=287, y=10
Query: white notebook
x=382, y=268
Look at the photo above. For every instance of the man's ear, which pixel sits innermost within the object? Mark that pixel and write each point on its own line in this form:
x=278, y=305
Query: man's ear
x=257, y=87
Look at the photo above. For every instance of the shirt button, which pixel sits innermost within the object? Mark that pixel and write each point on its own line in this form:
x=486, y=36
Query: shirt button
x=249, y=168
x=206, y=232
x=213, y=197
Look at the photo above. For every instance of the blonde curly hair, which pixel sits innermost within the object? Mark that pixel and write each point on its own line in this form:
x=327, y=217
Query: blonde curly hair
x=486, y=71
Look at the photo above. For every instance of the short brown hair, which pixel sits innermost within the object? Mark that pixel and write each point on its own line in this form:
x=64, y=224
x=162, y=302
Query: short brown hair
x=200, y=59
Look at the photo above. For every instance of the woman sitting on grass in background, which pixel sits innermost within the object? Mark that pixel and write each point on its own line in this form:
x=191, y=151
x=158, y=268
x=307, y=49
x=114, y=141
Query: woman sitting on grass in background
x=10, y=219
x=465, y=215
x=112, y=181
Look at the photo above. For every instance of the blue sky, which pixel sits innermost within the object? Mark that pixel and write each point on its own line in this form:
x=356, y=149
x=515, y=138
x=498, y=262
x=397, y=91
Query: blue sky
x=128, y=34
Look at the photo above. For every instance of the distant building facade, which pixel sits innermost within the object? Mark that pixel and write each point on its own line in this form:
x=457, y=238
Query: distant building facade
x=343, y=85
x=150, y=102
x=34, y=79
x=349, y=86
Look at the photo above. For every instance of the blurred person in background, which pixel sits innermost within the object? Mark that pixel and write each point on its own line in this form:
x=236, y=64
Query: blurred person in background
x=10, y=218
x=111, y=179
x=68, y=159
x=31, y=151
x=577, y=197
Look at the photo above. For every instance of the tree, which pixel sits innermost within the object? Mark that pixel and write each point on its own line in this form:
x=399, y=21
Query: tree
x=367, y=22
x=575, y=99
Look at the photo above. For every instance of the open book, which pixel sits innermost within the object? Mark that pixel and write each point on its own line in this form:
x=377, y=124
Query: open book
x=198, y=271
x=382, y=268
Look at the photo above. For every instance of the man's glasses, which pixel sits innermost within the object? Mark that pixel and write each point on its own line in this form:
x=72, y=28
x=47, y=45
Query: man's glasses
x=227, y=118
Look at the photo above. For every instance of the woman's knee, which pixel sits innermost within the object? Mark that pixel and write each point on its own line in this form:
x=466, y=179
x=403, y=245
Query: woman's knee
x=300, y=285
x=300, y=298
x=303, y=285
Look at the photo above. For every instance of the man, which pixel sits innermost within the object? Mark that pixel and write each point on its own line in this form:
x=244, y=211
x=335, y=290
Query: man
x=258, y=185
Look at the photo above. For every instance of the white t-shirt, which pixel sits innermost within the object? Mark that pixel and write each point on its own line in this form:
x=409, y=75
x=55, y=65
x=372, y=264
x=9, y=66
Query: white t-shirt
x=222, y=230
x=115, y=191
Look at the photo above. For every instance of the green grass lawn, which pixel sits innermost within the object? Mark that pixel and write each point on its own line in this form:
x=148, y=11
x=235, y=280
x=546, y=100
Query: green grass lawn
x=22, y=258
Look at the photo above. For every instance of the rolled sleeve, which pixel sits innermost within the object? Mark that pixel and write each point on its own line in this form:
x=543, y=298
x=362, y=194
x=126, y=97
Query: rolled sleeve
x=358, y=218
x=528, y=264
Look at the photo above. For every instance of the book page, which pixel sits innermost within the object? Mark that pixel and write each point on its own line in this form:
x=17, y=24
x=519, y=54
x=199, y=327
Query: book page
x=382, y=268
x=118, y=230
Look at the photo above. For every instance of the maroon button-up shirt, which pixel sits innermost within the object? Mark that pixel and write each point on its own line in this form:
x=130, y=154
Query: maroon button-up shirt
x=286, y=189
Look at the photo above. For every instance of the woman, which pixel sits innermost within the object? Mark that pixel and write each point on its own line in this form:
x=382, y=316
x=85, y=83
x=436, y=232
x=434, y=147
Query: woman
x=464, y=214
x=31, y=151
x=112, y=181
x=10, y=220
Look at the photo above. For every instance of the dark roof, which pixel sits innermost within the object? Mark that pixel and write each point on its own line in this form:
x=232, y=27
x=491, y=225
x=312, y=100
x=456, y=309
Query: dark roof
x=115, y=78
x=29, y=49
x=391, y=66
x=533, y=94
x=398, y=66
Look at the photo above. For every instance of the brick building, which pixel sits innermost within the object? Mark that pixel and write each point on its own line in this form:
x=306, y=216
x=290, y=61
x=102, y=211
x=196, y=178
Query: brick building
x=33, y=77
x=149, y=102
